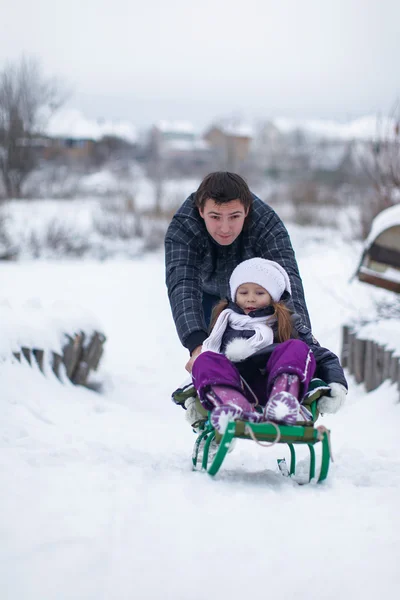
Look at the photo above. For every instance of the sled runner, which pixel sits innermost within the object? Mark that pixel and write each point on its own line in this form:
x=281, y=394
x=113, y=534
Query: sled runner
x=266, y=434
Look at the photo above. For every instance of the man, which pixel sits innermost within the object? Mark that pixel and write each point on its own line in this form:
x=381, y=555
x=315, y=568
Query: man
x=215, y=229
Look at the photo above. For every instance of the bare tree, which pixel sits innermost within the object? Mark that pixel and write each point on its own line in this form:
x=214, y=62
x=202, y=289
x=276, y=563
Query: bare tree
x=27, y=99
x=380, y=161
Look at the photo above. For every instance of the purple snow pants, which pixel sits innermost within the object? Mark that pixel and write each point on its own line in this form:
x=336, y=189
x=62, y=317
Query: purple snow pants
x=292, y=357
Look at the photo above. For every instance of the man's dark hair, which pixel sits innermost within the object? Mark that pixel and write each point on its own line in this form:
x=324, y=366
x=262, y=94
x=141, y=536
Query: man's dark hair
x=222, y=187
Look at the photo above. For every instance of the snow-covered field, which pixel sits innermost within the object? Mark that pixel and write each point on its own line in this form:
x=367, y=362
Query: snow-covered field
x=98, y=498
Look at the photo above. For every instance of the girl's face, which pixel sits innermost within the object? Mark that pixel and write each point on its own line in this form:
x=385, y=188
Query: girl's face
x=251, y=296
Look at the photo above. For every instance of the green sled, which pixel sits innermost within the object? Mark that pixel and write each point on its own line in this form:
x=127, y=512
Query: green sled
x=265, y=434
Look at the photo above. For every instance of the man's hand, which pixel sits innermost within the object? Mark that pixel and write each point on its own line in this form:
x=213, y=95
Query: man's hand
x=195, y=353
x=332, y=403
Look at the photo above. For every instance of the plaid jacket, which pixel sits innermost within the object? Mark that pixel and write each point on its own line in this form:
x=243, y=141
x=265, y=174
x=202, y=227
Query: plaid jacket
x=196, y=263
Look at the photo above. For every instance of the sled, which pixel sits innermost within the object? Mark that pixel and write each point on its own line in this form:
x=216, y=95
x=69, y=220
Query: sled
x=266, y=434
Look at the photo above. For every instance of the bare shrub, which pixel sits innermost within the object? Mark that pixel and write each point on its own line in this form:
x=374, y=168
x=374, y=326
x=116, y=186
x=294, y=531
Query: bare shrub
x=119, y=219
x=57, y=239
x=52, y=180
x=312, y=202
x=154, y=235
x=7, y=251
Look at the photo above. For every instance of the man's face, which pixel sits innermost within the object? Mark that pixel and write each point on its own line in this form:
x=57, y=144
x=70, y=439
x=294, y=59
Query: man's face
x=224, y=222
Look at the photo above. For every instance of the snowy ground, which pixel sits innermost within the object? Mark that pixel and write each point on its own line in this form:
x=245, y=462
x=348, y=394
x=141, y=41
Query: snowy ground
x=98, y=498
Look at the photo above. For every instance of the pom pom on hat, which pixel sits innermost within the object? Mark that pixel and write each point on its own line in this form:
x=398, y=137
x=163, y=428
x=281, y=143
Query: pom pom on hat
x=266, y=273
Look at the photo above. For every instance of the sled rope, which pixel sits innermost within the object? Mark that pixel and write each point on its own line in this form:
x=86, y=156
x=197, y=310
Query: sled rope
x=321, y=431
x=250, y=390
x=250, y=432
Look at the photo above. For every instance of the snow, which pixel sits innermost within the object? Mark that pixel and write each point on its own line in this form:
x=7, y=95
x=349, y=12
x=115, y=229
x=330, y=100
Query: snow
x=389, y=274
x=238, y=130
x=385, y=332
x=390, y=217
x=369, y=127
x=175, y=127
x=98, y=497
x=233, y=128
x=34, y=324
x=99, y=224
x=187, y=145
x=71, y=123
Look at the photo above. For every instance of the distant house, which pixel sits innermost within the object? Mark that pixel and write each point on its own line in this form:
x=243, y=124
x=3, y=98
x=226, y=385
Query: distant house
x=71, y=135
x=270, y=148
x=177, y=142
x=69, y=147
x=230, y=143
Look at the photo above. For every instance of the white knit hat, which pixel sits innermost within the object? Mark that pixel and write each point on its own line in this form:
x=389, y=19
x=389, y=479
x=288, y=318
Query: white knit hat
x=267, y=273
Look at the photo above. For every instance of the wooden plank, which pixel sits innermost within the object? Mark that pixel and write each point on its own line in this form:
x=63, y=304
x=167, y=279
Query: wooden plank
x=56, y=363
x=375, y=279
x=72, y=353
x=351, y=351
x=39, y=357
x=96, y=350
x=81, y=373
x=387, y=361
x=90, y=358
x=370, y=366
x=359, y=359
x=345, y=346
x=26, y=353
x=380, y=351
x=386, y=256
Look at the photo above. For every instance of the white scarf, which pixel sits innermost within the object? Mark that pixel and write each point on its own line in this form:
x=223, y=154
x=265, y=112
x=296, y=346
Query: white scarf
x=263, y=333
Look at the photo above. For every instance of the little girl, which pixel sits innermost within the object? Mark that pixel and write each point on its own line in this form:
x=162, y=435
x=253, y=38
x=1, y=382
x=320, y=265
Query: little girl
x=259, y=352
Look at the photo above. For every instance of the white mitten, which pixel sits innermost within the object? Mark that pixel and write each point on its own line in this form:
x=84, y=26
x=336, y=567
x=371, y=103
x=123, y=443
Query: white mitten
x=192, y=412
x=332, y=403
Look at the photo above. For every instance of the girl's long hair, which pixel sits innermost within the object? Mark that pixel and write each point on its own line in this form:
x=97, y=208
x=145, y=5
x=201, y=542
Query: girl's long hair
x=216, y=311
x=284, y=319
x=283, y=316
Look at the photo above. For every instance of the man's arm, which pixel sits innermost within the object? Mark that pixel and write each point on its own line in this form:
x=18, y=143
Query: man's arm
x=183, y=279
x=273, y=242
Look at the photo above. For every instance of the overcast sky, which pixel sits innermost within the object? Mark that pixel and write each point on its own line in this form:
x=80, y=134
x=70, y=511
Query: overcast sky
x=200, y=59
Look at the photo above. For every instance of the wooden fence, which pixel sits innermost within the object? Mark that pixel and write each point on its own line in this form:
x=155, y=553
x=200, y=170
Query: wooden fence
x=80, y=355
x=368, y=361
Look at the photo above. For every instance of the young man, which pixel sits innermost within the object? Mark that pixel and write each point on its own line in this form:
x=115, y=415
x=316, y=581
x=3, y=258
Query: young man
x=215, y=229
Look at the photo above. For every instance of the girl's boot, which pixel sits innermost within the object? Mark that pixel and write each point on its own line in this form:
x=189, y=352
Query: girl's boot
x=229, y=405
x=283, y=405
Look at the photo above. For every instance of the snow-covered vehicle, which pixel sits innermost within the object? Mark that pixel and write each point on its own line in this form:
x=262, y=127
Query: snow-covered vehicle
x=266, y=434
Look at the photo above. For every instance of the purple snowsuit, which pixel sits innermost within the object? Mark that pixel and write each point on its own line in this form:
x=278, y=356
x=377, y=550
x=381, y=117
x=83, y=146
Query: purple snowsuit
x=293, y=357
